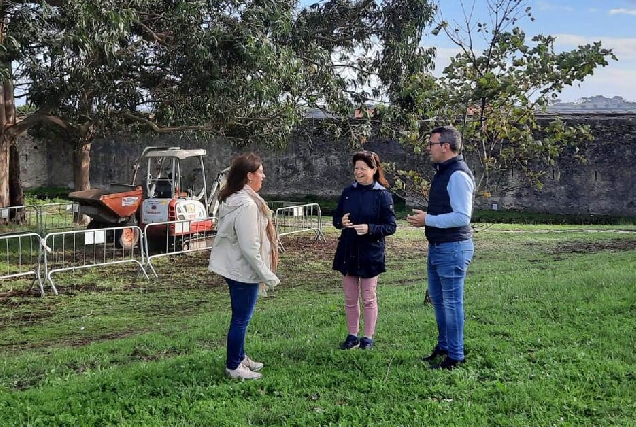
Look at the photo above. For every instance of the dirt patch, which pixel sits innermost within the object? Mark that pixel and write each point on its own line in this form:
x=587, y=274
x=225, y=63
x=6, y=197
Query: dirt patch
x=586, y=247
x=321, y=249
x=309, y=247
x=7, y=297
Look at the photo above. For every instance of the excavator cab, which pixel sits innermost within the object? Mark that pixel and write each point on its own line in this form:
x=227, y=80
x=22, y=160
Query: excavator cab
x=172, y=172
x=174, y=188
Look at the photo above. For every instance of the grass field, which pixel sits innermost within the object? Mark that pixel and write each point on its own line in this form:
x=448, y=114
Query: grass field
x=550, y=339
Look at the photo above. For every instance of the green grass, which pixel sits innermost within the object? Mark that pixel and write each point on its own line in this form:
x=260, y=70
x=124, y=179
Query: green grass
x=551, y=315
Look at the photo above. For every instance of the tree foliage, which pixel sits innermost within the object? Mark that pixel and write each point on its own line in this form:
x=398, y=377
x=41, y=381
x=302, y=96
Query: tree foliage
x=248, y=70
x=493, y=90
x=243, y=70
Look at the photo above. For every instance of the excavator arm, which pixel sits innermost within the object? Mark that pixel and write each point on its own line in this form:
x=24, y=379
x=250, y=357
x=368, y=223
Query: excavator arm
x=215, y=189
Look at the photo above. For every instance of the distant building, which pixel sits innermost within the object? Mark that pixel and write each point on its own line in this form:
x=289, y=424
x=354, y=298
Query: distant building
x=598, y=103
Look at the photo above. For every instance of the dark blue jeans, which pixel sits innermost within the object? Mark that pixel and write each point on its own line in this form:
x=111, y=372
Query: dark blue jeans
x=447, y=265
x=243, y=298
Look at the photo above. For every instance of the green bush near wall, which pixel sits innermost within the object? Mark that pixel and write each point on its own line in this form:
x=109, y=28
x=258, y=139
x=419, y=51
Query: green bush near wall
x=44, y=193
x=514, y=217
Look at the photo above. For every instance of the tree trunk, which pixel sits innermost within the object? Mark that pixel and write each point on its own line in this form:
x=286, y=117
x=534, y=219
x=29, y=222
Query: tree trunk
x=5, y=142
x=82, y=164
x=16, y=195
x=82, y=158
x=4, y=169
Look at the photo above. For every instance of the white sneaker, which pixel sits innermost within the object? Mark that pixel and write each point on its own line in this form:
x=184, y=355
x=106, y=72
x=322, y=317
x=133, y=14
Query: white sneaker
x=252, y=365
x=242, y=372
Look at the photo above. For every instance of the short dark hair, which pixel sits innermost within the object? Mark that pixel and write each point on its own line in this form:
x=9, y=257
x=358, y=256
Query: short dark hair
x=237, y=176
x=449, y=135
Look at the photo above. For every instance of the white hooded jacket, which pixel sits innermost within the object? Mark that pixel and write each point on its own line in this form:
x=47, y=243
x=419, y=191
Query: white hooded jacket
x=241, y=249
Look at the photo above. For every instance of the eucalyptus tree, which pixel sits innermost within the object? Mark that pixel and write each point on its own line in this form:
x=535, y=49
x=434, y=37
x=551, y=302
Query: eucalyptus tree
x=242, y=70
x=7, y=104
x=9, y=129
x=493, y=90
x=37, y=37
x=249, y=70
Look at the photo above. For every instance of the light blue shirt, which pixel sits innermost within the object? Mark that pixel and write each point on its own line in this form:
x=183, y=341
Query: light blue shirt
x=460, y=191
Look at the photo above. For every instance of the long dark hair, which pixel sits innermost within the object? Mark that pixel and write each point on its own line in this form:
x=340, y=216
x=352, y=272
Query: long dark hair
x=373, y=161
x=237, y=176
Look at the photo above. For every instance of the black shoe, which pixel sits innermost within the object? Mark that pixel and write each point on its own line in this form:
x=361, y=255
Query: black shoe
x=449, y=364
x=437, y=352
x=366, y=343
x=351, y=342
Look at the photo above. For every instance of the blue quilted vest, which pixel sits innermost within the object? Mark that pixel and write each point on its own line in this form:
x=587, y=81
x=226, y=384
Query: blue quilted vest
x=439, y=202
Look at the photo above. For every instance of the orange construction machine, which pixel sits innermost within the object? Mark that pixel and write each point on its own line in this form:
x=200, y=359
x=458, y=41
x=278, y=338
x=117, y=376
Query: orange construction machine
x=174, y=189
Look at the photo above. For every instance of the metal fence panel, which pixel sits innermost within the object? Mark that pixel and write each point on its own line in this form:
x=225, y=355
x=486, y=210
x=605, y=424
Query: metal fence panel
x=19, y=219
x=20, y=256
x=177, y=237
x=298, y=219
x=57, y=216
x=276, y=204
x=72, y=250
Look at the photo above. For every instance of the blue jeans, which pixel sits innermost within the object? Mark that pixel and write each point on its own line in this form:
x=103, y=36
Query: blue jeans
x=243, y=298
x=447, y=265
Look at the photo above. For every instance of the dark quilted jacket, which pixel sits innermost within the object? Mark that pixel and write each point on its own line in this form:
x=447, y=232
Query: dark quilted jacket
x=367, y=204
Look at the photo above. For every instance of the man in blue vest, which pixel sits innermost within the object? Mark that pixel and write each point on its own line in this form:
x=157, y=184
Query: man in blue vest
x=450, y=244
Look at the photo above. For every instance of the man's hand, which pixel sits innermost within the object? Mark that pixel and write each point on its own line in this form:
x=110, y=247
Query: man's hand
x=418, y=219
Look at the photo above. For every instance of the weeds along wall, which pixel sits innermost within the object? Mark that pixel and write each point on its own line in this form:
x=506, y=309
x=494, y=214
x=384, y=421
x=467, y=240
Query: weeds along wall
x=315, y=164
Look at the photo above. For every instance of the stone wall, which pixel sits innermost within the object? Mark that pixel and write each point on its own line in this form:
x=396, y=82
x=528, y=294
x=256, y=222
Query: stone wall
x=315, y=164
x=605, y=185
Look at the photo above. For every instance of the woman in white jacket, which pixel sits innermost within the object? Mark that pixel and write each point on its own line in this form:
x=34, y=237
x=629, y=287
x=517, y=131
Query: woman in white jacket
x=245, y=254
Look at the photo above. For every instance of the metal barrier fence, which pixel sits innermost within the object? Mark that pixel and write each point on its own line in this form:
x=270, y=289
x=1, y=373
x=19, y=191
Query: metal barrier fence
x=177, y=237
x=72, y=250
x=39, y=218
x=276, y=204
x=26, y=253
x=57, y=216
x=298, y=219
x=20, y=218
x=20, y=256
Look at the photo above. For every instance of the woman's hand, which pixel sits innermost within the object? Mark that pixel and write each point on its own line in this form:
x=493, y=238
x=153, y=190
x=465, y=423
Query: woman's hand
x=346, y=222
x=361, y=229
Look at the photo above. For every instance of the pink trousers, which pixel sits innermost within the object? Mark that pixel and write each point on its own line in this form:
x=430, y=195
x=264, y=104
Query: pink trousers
x=352, y=286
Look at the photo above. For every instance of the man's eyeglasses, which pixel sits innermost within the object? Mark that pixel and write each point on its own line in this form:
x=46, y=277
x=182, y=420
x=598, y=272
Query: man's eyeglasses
x=430, y=144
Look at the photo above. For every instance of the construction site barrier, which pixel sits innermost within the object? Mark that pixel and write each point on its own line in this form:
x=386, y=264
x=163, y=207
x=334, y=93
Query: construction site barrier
x=298, y=219
x=276, y=204
x=78, y=249
x=177, y=237
x=73, y=250
x=20, y=256
x=20, y=218
x=57, y=216
x=39, y=218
